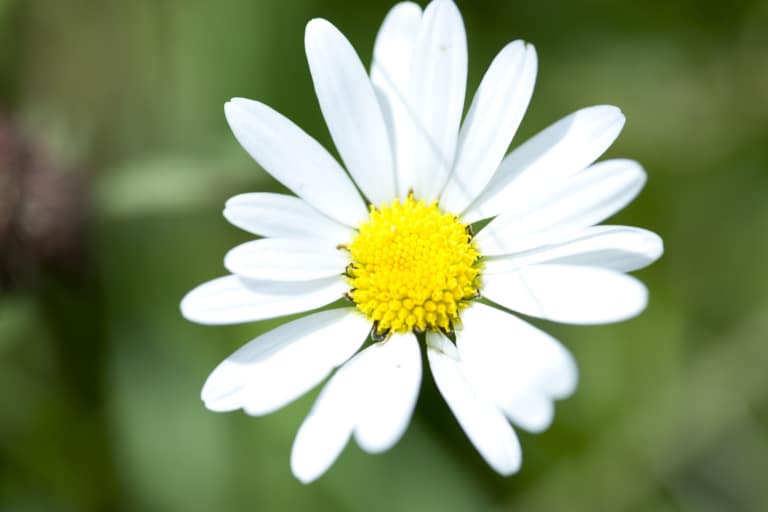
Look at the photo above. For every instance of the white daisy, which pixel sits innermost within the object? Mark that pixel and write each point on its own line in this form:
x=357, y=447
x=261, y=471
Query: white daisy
x=401, y=251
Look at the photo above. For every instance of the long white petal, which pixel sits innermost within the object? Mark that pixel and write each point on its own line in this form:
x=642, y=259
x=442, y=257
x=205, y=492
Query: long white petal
x=393, y=378
x=286, y=362
x=295, y=159
x=286, y=259
x=356, y=399
x=497, y=109
x=390, y=75
x=552, y=155
x=619, y=248
x=436, y=95
x=351, y=110
x=485, y=425
x=564, y=209
x=280, y=215
x=328, y=426
x=522, y=368
x=571, y=294
x=319, y=442
x=234, y=300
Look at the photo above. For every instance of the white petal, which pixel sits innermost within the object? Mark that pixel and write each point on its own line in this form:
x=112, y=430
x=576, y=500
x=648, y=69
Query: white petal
x=564, y=209
x=234, y=300
x=390, y=74
x=436, y=95
x=351, y=110
x=295, y=159
x=356, y=398
x=619, y=248
x=279, y=215
x=326, y=430
x=516, y=380
x=552, y=155
x=533, y=412
x=478, y=416
x=283, y=364
x=568, y=293
x=394, y=47
x=286, y=259
x=393, y=378
x=522, y=368
x=319, y=442
x=497, y=109
x=302, y=365
x=505, y=345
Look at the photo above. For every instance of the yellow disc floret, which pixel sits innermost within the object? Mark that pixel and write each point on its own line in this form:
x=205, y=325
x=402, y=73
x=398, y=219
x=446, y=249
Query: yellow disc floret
x=413, y=268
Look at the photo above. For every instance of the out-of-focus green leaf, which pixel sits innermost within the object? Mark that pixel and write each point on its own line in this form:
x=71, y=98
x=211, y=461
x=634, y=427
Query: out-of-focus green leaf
x=175, y=183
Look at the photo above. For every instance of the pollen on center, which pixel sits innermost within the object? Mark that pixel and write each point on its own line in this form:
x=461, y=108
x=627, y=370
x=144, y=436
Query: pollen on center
x=413, y=268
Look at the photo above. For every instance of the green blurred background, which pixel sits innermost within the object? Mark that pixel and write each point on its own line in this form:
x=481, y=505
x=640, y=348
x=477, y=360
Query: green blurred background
x=115, y=162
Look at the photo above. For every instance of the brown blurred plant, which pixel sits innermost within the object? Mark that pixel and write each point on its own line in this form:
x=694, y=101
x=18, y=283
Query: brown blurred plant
x=42, y=209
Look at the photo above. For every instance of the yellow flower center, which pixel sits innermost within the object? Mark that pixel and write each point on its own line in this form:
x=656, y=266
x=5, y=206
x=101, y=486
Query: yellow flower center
x=413, y=268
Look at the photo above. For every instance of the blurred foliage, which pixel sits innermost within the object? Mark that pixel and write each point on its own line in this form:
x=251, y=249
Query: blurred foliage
x=99, y=374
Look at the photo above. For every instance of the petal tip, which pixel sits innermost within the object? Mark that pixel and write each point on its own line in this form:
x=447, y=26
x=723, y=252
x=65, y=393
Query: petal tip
x=304, y=469
x=316, y=27
x=374, y=446
x=655, y=247
x=608, y=113
x=235, y=108
x=511, y=469
x=187, y=306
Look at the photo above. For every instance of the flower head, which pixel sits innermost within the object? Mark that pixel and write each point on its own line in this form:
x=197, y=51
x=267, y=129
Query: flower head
x=413, y=268
x=403, y=252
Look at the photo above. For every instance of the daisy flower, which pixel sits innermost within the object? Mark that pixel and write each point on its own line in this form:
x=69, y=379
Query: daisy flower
x=393, y=235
